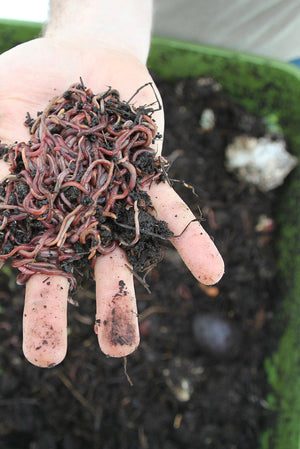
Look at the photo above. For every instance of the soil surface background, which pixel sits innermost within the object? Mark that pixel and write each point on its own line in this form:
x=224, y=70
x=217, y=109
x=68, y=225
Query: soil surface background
x=194, y=385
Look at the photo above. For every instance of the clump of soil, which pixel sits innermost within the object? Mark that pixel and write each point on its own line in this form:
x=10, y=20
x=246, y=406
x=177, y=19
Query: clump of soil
x=75, y=189
x=187, y=393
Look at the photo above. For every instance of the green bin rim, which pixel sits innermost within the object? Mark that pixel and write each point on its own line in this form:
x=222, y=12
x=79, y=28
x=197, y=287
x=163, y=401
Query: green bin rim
x=202, y=49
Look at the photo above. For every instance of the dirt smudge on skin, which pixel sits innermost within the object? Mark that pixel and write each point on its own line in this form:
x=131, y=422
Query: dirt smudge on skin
x=118, y=328
x=121, y=332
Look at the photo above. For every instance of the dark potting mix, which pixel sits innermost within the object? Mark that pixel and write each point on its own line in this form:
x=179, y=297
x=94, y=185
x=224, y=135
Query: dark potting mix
x=198, y=375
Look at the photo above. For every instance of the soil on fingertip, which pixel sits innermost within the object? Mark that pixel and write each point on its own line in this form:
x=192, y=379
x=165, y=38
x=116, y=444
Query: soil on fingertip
x=198, y=376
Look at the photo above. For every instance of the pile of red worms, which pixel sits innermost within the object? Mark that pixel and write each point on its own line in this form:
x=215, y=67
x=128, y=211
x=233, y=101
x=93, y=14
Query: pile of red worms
x=74, y=191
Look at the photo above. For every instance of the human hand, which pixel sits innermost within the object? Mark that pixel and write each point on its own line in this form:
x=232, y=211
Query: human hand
x=30, y=75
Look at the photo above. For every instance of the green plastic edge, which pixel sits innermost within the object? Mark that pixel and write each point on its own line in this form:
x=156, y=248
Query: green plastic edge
x=14, y=32
x=263, y=86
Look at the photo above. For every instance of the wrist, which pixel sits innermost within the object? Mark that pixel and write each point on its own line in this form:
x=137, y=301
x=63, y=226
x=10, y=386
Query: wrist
x=116, y=24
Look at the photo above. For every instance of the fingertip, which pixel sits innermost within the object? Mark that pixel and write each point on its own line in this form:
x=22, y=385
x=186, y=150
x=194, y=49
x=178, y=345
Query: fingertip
x=45, y=357
x=214, y=271
x=45, y=320
x=120, y=347
x=200, y=254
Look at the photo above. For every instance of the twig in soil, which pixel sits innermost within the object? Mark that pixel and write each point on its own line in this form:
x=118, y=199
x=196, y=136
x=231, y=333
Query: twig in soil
x=185, y=184
x=157, y=100
x=144, y=231
x=192, y=221
x=141, y=280
x=125, y=371
x=68, y=384
x=150, y=311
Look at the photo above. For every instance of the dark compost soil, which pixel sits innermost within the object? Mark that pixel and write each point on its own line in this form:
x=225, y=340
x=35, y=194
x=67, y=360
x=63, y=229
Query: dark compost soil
x=198, y=378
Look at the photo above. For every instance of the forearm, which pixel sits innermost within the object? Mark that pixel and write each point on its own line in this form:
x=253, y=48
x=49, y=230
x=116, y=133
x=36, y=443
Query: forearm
x=123, y=25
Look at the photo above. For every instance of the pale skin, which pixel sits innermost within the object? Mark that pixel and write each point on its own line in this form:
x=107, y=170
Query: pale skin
x=30, y=75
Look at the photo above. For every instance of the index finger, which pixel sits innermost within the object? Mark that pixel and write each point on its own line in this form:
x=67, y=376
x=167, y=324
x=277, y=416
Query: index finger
x=194, y=245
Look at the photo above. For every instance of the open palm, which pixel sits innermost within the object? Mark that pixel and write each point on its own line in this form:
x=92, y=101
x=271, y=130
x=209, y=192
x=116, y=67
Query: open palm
x=30, y=75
